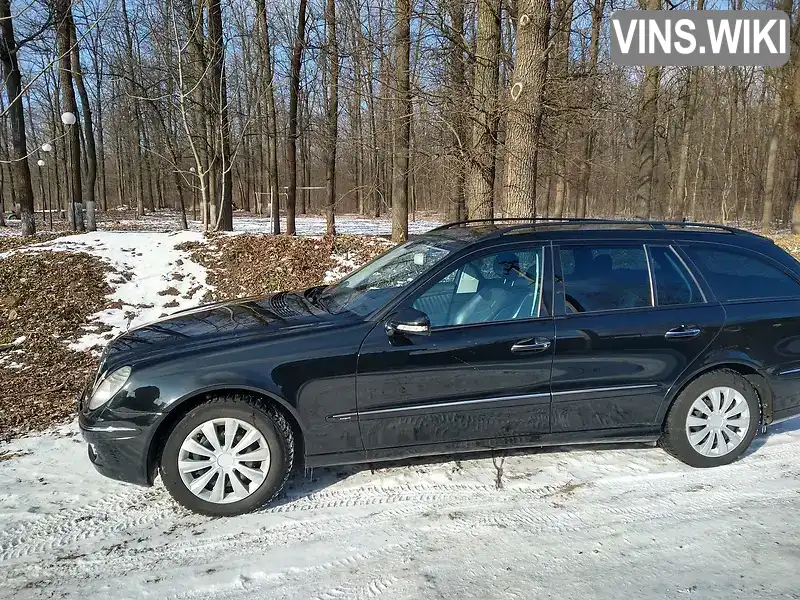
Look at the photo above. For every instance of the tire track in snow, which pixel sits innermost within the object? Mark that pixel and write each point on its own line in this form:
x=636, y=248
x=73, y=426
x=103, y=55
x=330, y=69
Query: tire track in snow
x=372, y=495
x=134, y=511
x=373, y=589
x=663, y=501
x=348, y=591
x=114, y=514
x=200, y=550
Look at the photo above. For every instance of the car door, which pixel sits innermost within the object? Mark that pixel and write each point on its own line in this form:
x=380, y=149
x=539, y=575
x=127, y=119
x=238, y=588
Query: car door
x=483, y=372
x=630, y=318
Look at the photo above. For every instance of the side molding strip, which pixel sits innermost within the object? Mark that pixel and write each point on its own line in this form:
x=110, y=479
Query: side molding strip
x=382, y=411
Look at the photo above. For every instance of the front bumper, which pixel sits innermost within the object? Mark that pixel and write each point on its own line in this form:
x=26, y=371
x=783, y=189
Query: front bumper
x=117, y=449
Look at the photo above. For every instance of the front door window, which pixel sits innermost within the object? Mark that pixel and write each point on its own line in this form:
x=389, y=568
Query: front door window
x=502, y=286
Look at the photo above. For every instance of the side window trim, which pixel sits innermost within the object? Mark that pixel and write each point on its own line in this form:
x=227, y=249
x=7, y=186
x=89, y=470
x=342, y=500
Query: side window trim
x=696, y=273
x=649, y=260
x=690, y=272
x=686, y=271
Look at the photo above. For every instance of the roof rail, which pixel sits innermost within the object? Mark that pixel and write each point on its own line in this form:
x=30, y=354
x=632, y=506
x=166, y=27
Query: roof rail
x=523, y=222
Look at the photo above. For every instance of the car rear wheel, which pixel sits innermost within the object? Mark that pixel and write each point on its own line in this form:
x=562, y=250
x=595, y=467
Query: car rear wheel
x=227, y=456
x=713, y=421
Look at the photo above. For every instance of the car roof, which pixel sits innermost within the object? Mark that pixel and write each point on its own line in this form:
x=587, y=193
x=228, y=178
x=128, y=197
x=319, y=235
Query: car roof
x=506, y=230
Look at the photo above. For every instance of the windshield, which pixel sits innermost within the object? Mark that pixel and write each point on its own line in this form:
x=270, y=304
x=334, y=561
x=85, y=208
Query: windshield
x=374, y=284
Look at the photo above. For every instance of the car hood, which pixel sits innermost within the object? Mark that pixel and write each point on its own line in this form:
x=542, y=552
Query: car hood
x=218, y=324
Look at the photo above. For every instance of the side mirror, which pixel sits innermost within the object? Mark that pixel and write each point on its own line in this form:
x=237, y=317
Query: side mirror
x=408, y=321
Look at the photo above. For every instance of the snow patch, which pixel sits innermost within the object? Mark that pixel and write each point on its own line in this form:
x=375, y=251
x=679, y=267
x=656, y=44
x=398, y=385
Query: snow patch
x=305, y=225
x=343, y=265
x=151, y=278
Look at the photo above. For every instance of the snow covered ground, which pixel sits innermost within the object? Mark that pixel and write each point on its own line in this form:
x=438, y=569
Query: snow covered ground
x=626, y=522
x=585, y=524
x=248, y=223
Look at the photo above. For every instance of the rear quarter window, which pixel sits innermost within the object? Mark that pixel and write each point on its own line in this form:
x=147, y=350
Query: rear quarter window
x=738, y=274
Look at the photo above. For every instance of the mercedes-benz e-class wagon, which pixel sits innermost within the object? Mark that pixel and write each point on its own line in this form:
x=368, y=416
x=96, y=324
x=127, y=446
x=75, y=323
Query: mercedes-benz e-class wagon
x=474, y=336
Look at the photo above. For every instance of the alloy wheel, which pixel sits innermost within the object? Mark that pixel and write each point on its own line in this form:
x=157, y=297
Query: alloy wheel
x=224, y=460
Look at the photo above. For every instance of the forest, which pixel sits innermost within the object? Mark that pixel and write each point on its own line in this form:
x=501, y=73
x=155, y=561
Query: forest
x=462, y=108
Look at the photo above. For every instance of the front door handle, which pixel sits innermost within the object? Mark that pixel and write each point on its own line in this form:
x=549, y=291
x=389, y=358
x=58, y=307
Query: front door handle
x=682, y=332
x=534, y=345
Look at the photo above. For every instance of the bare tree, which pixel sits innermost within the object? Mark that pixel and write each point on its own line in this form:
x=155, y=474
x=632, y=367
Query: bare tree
x=402, y=121
x=646, y=129
x=291, y=141
x=135, y=131
x=18, y=167
x=63, y=16
x=90, y=179
x=332, y=125
x=221, y=123
x=524, y=117
x=483, y=145
x=272, y=125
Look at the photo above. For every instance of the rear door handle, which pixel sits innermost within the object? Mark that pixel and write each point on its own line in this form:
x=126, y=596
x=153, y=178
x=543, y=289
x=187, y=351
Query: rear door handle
x=534, y=345
x=682, y=332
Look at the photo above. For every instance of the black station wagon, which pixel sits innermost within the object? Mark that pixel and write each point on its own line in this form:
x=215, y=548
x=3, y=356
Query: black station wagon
x=477, y=335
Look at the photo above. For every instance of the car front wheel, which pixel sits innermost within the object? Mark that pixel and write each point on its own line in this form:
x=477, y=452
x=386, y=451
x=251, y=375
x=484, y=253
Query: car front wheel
x=228, y=456
x=713, y=421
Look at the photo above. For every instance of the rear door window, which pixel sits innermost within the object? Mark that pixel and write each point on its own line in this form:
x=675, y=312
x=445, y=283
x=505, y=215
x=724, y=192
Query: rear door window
x=607, y=277
x=673, y=284
x=736, y=274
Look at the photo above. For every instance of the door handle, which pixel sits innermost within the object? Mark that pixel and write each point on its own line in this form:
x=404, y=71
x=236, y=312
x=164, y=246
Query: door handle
x=534, y=345
x=682, y=332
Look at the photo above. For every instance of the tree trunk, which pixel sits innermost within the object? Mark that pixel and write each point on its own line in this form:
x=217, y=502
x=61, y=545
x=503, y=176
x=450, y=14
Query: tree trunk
x=646, y=129
x=402, y=120
x=587, y=147
x=333, y=118
x=456, y=202
x=19, y=167
x=291, y=141
x=97, y=62
x=679, y=191
x=772, y=161
x=560, y=99
x=794, y=111
x=356, y=119
x=224, y=220
x=88, y=133
x=483, y=145
x=523, y=122
x=272, y=122
x=305, y=157
x=135, y=130
x=63, y=15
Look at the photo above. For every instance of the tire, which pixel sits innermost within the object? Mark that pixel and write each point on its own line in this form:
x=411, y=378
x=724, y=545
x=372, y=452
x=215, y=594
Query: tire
x=685, y=439
x=231, y=417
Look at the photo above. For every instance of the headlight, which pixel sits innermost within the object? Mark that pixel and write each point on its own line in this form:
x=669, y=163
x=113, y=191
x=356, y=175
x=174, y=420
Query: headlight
x=108, y=387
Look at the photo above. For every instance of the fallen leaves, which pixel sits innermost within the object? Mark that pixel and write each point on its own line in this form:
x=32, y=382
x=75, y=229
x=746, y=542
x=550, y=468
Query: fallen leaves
x=254, y=265
x=46, y=297
x=12, y=242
